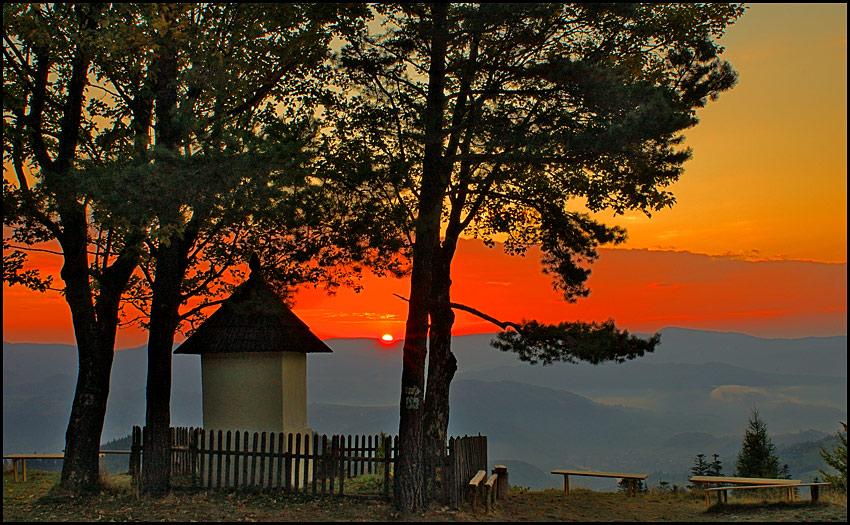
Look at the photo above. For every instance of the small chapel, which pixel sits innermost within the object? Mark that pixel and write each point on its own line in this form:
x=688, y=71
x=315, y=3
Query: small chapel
x=254, y=361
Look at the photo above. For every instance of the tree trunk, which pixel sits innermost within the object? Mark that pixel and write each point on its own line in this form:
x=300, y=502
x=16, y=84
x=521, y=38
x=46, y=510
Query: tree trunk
x=442, y=366
x=410, y=488
x=410, y=482
x=166, y=290
x=95, y=326
x=80, y=470
x=94, y=318
x=156, y=456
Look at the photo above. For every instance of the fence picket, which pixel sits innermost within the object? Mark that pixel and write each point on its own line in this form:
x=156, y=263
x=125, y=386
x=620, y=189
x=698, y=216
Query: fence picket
x=279, y=462
x=315, y=462
x=227, y=457
x=266, y=458
x=219, y=458
x=297, y=458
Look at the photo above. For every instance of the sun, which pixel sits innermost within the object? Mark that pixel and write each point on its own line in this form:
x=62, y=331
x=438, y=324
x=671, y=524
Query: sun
x=387, y=339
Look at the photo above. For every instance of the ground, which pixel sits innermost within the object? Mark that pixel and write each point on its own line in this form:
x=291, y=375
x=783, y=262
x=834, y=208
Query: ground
x=37, y=500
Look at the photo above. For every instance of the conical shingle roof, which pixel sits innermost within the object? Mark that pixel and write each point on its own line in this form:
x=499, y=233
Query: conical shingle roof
x=253, y=319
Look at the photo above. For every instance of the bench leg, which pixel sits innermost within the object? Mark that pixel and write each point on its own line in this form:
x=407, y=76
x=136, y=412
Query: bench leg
x=814, y=491
x=632, y=488
x=15, y=469
x=24, y=468
x=566, y=485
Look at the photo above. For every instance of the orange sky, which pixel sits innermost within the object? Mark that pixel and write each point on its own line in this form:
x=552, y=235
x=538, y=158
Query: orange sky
x=769, y=169
x=766, y=190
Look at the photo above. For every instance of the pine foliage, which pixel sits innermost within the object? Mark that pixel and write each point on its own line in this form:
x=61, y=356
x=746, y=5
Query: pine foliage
x=837, y=459
x=757, y=458
x=701, y=467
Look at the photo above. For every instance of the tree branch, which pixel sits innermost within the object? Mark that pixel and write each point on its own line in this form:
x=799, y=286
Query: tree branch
x=457, y=306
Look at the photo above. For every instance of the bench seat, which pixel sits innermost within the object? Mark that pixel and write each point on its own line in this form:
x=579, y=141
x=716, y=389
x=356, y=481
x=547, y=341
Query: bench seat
x=722, y=492
x=631, y=478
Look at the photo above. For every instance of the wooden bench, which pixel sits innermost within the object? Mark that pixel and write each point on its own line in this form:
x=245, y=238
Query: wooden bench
x=23, y=459
x=490, y=492
x=722, y=497
x=631, y=478
x=476, y=484
x=496, y=486
x=734, y=483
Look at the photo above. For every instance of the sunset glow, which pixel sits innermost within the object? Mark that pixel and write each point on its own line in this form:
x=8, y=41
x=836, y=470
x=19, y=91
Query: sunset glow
x=756, y=242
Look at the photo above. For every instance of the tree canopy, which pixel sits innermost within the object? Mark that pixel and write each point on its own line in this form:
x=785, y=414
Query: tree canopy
x=511, y=122
x=179, y=139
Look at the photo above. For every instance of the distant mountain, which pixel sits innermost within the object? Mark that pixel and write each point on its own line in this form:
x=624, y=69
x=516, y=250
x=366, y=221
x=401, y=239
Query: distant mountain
x=693, y=395
x=821, y=356
x=38, y=389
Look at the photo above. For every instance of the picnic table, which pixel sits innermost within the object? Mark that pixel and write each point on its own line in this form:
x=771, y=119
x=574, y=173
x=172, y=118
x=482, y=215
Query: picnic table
x=631, y=478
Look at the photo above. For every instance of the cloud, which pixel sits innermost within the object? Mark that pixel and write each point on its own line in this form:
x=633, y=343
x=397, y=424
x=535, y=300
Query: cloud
x=729, y=393
x=777, y=395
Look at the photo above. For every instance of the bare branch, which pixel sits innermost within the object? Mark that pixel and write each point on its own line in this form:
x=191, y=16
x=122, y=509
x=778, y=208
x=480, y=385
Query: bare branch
x=457, y=306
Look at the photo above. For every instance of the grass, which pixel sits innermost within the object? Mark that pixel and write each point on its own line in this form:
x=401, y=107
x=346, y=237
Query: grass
x=38, y=500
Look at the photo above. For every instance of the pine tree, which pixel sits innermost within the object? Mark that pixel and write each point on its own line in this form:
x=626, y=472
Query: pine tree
x=715, y=467
x=623, y=485
x=700, y=468
x=757, y=458
x=837, y=459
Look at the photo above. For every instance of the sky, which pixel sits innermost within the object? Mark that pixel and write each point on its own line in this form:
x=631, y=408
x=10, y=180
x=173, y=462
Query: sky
x=756, y=243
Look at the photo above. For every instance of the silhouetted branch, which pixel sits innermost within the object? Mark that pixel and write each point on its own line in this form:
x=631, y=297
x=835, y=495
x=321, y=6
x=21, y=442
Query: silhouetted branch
x=569, y=341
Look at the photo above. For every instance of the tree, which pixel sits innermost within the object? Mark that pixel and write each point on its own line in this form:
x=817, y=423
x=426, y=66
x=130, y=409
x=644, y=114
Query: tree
x=837, y=459
x=50, y=121
x=231, y=90
x=715, y=468
x=757, y=457
x=623, y=485
x=701, y=467
x=224, y=174
x=508, y=120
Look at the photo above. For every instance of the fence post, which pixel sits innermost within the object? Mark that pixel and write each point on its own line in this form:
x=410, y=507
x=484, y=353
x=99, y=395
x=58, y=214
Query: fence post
x=193, y=453
x=332, y=462
x=502, y=485
x=343, y=472
x=201, y=447
x=136, y=456
x=388, y=451
x=449, y=476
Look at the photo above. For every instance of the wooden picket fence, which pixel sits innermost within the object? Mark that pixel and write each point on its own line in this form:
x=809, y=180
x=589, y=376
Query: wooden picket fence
x=305, y=463
x=274, y=460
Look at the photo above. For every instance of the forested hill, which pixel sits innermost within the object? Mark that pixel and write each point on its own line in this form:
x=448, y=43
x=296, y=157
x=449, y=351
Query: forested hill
x=693, y=395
